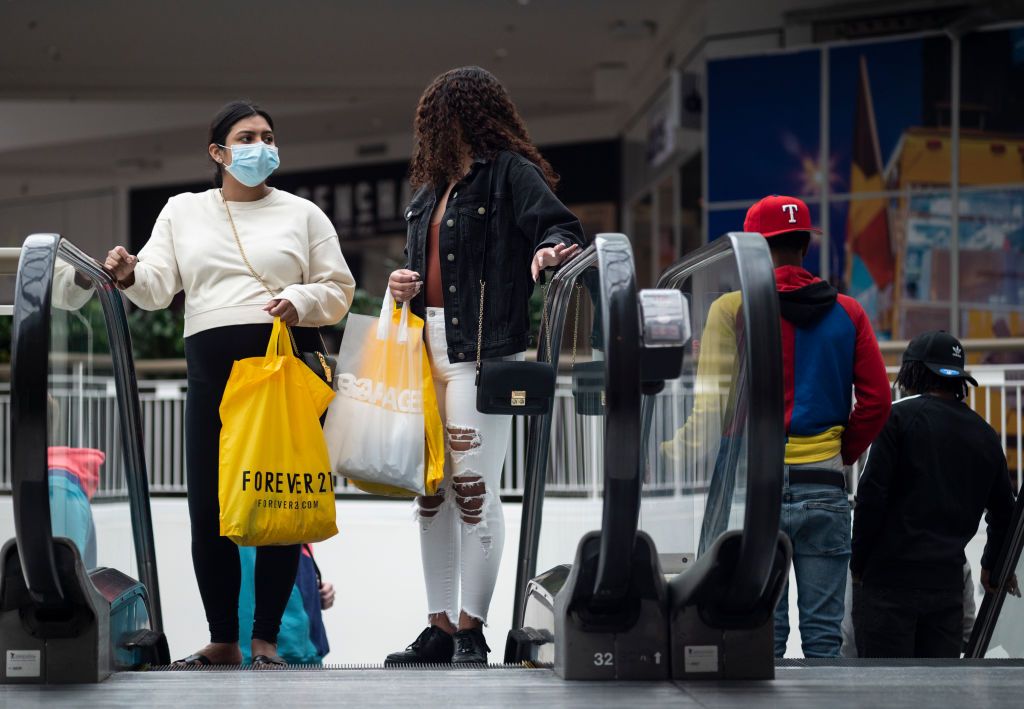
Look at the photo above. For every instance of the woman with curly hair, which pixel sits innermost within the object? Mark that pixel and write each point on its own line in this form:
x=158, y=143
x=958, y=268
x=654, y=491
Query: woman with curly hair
x=476, y=174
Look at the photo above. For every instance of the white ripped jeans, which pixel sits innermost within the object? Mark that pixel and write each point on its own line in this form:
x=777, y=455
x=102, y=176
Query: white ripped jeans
x=462, y=528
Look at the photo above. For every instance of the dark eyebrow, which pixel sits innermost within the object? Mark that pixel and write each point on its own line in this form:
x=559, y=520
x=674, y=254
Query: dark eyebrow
x=252, y=132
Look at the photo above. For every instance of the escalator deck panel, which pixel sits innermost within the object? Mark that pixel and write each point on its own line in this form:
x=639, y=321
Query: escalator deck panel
x=834, y=687
x=345, y=667
x=899, y=662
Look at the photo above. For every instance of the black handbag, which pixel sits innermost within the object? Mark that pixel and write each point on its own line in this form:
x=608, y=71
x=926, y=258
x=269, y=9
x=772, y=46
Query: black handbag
x=322, y=364
x=509, y=387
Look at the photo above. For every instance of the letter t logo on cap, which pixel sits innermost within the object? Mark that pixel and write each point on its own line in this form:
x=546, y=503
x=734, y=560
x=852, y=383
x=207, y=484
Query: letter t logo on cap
x=792, y=209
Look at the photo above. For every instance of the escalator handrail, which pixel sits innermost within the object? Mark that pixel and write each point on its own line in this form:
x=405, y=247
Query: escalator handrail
x=559, y=296
x=30, y=346
x=130, y=411
x=766, y=434
x=620, y=517
x=29, y=390
x=1002, y=572
x=623, y=476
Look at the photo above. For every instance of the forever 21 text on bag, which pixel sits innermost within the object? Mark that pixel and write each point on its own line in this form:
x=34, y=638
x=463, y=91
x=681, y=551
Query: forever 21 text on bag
x=276, y=484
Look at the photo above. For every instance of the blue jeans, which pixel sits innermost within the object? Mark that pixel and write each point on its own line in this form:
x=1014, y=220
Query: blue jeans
x=817, y=520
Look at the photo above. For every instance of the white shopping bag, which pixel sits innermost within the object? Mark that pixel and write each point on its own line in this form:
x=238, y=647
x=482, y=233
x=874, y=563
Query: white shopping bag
x=375, y=427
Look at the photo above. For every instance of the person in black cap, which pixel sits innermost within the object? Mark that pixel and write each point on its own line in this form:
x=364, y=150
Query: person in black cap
x=935, y=467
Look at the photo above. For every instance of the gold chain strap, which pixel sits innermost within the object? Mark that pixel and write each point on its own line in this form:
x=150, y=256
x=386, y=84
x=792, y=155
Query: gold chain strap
x=543, y=318
x=238, y=242
x=544, y=321
x=480, y=326
x=576, y=325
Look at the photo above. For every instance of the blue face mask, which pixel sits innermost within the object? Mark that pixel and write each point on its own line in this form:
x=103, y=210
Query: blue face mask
x=252, y=164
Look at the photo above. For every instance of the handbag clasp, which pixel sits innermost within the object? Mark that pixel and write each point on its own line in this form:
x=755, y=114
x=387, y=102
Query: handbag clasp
x=327, y=367
x=518, y=398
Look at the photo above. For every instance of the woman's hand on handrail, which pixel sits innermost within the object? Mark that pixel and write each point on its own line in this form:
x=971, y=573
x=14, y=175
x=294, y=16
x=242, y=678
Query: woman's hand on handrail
x=121, y=266
x=551, y=257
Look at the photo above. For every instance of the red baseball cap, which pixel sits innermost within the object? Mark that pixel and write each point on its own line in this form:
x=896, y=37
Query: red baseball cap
x=779, y=214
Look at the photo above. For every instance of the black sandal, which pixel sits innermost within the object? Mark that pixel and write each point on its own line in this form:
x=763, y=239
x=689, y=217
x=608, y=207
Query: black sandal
x=196, y=660
x=267, y=662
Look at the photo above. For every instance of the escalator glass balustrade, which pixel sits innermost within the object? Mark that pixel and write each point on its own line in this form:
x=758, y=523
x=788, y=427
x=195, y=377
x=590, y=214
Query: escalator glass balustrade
x=72, y=609
x=688, y=552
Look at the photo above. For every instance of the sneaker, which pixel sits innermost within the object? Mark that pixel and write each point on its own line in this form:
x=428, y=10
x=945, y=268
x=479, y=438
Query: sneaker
x=470, y=647
x=432, y=646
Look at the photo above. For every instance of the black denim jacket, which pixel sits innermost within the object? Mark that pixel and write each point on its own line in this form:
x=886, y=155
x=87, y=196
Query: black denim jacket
x=524, y=216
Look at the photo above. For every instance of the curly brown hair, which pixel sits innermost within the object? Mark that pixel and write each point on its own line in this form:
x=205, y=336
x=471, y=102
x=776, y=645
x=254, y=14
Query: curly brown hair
x=467, y=104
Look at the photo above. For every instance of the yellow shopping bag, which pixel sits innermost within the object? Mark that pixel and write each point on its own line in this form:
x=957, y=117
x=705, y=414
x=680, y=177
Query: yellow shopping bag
x=276, y=484
x=384, y=430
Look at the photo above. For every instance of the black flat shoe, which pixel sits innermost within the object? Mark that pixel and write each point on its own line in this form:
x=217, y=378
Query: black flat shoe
x=470, y=648
x=196, y=660
x=433, y=646
x=265, y=662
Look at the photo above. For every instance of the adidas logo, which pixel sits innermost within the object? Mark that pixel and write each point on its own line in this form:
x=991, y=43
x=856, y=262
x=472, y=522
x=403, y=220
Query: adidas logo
x=957, y=352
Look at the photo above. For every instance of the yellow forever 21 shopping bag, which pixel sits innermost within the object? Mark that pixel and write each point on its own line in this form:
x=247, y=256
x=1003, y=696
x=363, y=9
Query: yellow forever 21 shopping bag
x=276, y=485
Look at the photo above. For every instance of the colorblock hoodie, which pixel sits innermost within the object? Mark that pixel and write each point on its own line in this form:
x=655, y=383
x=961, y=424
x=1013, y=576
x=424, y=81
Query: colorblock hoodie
x=829, y=354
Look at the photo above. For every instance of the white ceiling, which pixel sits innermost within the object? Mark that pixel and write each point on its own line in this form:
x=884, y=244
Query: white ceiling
x=85, y=85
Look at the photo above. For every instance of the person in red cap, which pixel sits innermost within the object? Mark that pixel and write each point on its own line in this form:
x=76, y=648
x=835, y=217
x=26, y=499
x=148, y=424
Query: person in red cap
x=829, y=352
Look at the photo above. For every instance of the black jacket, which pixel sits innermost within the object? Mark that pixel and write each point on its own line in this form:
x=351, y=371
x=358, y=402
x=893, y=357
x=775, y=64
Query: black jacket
x=509, y=197
x=934, y=468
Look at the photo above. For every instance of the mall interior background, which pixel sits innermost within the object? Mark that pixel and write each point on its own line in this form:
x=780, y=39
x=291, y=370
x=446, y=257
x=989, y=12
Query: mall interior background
x=665, y=120
x=901, y=123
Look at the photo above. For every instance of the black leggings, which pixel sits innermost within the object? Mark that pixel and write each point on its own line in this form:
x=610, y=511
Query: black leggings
x=209, y=356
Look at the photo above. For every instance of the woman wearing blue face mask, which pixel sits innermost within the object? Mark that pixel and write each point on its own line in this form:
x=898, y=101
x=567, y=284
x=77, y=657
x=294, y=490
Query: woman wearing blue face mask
x=244, y=253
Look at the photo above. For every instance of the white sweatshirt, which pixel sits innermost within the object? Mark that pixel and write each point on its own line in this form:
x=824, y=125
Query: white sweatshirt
x=289, y=241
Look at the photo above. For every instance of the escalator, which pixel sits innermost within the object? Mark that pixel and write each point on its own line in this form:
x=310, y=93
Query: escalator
x=998, y=631
x=621, y=609
x=707, y=495
x=67, y=613
x=617, y=601
x=651, y=507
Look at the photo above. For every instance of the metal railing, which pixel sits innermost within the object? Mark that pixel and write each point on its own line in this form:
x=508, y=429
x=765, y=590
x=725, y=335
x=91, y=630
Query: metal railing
x=86, y=416
x=83, y=414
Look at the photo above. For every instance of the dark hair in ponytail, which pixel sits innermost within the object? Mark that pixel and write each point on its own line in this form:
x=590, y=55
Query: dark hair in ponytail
x=224, y=121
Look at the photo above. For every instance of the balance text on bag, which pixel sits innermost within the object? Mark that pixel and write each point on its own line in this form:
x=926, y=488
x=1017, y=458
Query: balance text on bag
x=406, y=401
x=276, y=484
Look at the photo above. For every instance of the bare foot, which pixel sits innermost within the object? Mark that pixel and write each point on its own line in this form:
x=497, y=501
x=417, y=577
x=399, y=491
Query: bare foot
x=219, y=654
x=441, y=620
x=468, y=622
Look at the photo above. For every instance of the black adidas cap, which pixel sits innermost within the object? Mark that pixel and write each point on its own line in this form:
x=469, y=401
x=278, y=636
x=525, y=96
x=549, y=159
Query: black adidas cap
x=940, y=352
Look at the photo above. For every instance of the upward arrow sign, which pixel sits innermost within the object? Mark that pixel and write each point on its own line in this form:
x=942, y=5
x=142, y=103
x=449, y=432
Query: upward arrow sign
x=657, y=658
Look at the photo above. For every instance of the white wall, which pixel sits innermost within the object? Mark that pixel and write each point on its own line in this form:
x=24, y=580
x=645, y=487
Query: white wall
x=374, y=563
